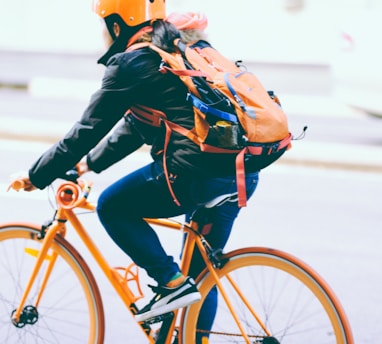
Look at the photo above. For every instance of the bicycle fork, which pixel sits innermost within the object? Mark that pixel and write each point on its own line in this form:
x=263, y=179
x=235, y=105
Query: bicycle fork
x=28, y=314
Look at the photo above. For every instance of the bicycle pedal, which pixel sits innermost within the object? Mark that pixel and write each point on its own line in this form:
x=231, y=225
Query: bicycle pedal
x=159, y=318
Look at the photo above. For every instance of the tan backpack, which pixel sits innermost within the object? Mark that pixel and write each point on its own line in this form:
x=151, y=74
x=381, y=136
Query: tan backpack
x=233, y=112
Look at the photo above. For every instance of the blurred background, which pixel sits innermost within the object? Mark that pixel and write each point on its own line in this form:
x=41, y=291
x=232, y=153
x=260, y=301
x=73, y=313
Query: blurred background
x=337, y=37
x=293, y=31
x=321, y=201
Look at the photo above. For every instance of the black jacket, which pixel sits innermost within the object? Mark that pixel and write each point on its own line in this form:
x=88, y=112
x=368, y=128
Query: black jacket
x=130, y=78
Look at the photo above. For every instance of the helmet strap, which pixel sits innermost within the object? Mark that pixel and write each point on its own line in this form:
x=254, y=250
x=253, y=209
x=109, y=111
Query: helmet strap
x=120, y=42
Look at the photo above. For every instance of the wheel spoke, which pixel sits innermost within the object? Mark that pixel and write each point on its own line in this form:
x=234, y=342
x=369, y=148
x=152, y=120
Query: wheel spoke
x=69, y=309
x=294, y=304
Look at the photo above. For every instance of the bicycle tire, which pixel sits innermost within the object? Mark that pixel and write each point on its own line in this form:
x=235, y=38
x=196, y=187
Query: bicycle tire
x=70, y=309
x=294, y=302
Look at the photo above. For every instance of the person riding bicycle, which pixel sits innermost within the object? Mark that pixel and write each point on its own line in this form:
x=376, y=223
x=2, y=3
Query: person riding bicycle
x=132, y=77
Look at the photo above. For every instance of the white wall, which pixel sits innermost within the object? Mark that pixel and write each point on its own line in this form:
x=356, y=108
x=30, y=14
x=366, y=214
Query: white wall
x=264, y=30
x=48, y=25
x=257, y=30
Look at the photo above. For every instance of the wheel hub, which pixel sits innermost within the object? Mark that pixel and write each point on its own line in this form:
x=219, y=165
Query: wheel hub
x=28, y=316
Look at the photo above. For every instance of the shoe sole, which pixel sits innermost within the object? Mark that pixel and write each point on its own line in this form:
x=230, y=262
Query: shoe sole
x=180, y=303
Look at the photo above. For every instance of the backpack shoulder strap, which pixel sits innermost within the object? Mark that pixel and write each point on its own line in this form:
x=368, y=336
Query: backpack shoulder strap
x=173, y=63
x=217, y=60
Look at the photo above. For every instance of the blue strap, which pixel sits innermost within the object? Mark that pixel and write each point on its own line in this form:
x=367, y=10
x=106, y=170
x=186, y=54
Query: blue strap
x=250, y=111
x=206, y=109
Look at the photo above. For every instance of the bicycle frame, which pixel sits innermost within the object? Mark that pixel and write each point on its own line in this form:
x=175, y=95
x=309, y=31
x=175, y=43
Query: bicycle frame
x=68, y=199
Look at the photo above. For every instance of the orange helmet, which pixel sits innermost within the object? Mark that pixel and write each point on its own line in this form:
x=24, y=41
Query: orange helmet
x=132, y=12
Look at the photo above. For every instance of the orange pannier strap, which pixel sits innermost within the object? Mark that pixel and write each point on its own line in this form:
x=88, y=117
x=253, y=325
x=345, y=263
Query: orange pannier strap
x=240, y=168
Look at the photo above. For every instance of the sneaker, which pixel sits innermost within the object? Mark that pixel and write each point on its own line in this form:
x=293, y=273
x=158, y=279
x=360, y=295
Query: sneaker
x=168, y=299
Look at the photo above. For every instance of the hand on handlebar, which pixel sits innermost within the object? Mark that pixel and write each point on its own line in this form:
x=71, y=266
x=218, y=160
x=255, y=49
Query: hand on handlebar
x=21, y=181
x=82, y=167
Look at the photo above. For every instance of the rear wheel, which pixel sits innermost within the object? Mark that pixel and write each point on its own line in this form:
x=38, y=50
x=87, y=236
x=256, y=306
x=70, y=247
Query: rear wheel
x=70, y=309
x=292, y=301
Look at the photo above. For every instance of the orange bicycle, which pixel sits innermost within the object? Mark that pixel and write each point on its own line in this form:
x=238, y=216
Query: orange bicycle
x=49, y=295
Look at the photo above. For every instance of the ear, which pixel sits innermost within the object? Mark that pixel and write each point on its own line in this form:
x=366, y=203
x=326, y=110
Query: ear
x=116, y=29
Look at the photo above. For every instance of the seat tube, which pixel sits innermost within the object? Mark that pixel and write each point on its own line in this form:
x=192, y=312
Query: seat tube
x=188, y=249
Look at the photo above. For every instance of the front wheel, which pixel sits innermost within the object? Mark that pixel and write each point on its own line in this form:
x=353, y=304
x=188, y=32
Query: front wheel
x=290, y=303
x=69, y=309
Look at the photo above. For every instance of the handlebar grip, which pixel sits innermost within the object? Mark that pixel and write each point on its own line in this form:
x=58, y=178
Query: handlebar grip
x=72, y=175
x=17, y=185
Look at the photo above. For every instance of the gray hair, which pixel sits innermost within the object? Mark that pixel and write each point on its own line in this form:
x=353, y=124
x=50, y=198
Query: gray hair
x=190, y=36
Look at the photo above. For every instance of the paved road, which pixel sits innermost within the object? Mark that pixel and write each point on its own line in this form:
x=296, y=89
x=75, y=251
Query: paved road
x=329, y=218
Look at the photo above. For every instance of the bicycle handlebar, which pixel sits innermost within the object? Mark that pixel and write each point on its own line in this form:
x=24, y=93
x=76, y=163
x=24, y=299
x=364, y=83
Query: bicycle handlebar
x=17, y=185
x=75, y=192
x=70, y=194
x=72, y=176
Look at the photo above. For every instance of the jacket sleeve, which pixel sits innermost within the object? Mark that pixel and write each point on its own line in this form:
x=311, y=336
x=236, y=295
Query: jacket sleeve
x=124, y=140
x=106, y=107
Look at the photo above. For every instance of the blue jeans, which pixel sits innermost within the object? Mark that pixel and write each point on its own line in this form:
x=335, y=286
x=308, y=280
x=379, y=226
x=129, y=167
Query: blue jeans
x=144, y=193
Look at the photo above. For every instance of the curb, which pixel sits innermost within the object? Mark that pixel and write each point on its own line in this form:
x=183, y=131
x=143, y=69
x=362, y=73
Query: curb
x=334, y=156
x=14, y=85
x=303, y=153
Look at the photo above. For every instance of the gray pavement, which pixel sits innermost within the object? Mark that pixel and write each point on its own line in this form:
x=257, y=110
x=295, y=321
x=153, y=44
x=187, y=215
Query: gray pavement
x=77, y=76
